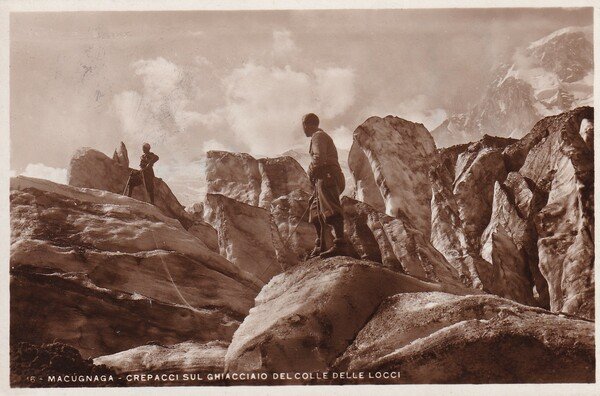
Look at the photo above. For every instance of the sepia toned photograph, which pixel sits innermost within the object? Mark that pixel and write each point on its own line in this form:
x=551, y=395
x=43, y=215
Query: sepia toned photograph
x=317, y=197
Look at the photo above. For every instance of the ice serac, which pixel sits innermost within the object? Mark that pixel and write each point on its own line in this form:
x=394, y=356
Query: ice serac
x=120, y=155
x=104, y=273
x=201, y=229
x=476, y=171
x=518, y=216
x=561, y=165
x=206, y=233
x=90, y=168
x=394, y=242
x=390, y=161
x=304, y=318
x=281, y=176
x=248, y=236
x=365, y=186
x=436, y=337
x=256, y=182
x=234, y=175
x=509, y=243
x=279, y=186
x=290, y=214
x=586, y=131
x=508, y=274
x=462, y=181
x=447, y=233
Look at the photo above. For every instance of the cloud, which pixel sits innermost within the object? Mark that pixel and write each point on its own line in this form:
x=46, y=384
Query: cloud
x=213, y=144
x=335, y=89
x=434, y=118
x=152, y=113
x=41, y=171
x=417, y=109
x=265, y=104
x=186, y=180
x=283, y=44
x=259, y=109
x=163, y=110
x=160, y=76
x=201, y=60
x=196, y=33
x=342, y=137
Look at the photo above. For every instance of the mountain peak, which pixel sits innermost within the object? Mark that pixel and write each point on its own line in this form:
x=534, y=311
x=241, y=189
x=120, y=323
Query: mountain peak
x=586, y=30
x=552, y=75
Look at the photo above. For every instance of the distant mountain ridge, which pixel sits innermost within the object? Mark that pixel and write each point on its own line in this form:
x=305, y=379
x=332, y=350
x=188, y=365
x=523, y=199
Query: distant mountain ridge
x=549, y=76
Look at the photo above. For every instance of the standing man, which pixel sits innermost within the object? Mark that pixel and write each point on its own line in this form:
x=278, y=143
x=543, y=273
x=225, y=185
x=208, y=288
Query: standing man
x=328, y=183
x=146, y=171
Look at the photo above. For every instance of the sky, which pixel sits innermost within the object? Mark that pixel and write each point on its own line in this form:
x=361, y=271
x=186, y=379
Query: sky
x=191, y=81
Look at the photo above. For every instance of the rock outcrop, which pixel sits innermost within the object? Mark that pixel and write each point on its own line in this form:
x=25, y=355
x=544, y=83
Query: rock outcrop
x=90, y=168
x=304, y=318
x=32, y=364
x=185, y=357
x=106, y=273
x=433, y=337
x=377, y=321
x=390, y=160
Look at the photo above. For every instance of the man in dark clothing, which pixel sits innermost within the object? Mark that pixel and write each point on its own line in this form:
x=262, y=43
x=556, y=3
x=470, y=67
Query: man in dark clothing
x=328, y=182
x=146, y=171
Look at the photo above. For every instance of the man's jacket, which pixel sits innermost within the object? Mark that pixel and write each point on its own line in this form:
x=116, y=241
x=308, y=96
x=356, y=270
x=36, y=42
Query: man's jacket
x=324, y=155
x=146, y=163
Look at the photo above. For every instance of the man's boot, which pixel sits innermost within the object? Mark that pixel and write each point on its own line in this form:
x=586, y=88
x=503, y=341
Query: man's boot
x=319, y=241
x=317, y=250
x=340, y=244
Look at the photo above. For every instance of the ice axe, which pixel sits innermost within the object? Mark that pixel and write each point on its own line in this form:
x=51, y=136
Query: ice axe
x=143, y=184
x=127, y=184
x=300, y=220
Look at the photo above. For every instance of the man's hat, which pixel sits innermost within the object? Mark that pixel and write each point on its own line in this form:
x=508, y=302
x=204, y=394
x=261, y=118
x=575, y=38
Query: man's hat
x=146, y=145
x=310, y=119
